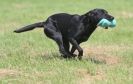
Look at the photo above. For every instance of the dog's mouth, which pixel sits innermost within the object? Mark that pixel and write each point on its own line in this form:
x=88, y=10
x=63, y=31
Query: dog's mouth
x=106, y=28
x=110, y=19
x=105, y=23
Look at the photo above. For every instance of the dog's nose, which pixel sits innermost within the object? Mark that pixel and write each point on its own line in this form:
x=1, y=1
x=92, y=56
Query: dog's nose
x=111, y=18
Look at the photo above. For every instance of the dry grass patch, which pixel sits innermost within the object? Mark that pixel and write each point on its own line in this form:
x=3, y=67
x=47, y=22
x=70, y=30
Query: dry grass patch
x=87, y=77
x=105, y=48
x=8, y=72
x=103, y=58
x=124, y=14
x=103, y=54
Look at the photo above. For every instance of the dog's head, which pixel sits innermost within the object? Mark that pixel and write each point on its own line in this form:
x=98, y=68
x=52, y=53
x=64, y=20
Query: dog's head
x=96, y=15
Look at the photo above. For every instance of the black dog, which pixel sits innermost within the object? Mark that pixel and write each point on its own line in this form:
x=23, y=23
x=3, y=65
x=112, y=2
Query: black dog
x=65, y=28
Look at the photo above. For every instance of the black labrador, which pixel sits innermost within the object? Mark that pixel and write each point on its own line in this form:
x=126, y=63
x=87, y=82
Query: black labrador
x=65, y=28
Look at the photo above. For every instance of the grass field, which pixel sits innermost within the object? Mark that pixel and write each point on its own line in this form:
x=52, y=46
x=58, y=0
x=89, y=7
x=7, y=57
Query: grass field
x=32, y=58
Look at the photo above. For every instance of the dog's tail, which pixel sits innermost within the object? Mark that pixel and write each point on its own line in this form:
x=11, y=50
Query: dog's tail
x=29, y=27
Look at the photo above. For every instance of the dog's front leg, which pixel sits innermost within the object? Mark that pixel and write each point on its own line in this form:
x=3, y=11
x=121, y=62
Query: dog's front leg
x=76, y=45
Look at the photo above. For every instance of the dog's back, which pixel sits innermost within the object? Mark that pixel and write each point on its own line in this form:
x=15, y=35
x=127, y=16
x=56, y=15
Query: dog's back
x=62, y=19
x=65, y=21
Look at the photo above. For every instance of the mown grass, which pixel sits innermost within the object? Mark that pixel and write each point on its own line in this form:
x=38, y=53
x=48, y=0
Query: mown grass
x=32, y=58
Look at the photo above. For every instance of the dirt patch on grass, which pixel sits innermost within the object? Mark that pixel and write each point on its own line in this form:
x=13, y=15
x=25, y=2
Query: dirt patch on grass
x=103, y=54
x=7, y=72
x=106, y=48
x=103, y=58
x=88, y=78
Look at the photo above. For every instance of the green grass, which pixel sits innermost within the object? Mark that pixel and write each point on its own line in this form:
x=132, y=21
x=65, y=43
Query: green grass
x=32, y=58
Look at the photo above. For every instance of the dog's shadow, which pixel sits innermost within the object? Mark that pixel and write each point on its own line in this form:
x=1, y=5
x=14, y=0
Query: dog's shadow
x=104, y=58
x=52, y=56
x=97, y=59
x=55, y=56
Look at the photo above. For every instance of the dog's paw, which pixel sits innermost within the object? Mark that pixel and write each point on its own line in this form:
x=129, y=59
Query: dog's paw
x=74, y=55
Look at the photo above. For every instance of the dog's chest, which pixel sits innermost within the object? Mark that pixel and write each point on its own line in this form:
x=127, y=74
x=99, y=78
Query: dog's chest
x=84, y=35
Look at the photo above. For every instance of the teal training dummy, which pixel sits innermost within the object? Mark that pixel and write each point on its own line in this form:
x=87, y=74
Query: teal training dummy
x=106, y=23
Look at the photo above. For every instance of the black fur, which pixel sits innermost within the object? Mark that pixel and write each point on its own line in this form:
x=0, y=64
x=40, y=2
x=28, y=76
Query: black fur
x=65, y=28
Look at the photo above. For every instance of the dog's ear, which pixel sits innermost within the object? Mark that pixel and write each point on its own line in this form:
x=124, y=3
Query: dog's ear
x=92, y=13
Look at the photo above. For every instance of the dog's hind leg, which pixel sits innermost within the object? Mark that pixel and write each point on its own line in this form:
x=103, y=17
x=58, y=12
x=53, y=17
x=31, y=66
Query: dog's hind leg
x=73, y=48
x=57, y=37
x=76, y=45
x=67, y=46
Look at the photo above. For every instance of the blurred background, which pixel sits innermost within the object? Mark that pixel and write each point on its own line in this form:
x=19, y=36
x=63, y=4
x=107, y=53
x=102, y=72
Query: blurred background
x=32, y=58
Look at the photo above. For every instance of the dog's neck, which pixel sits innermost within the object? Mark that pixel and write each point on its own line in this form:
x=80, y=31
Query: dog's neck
x=88, y=22
x=89, y=25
